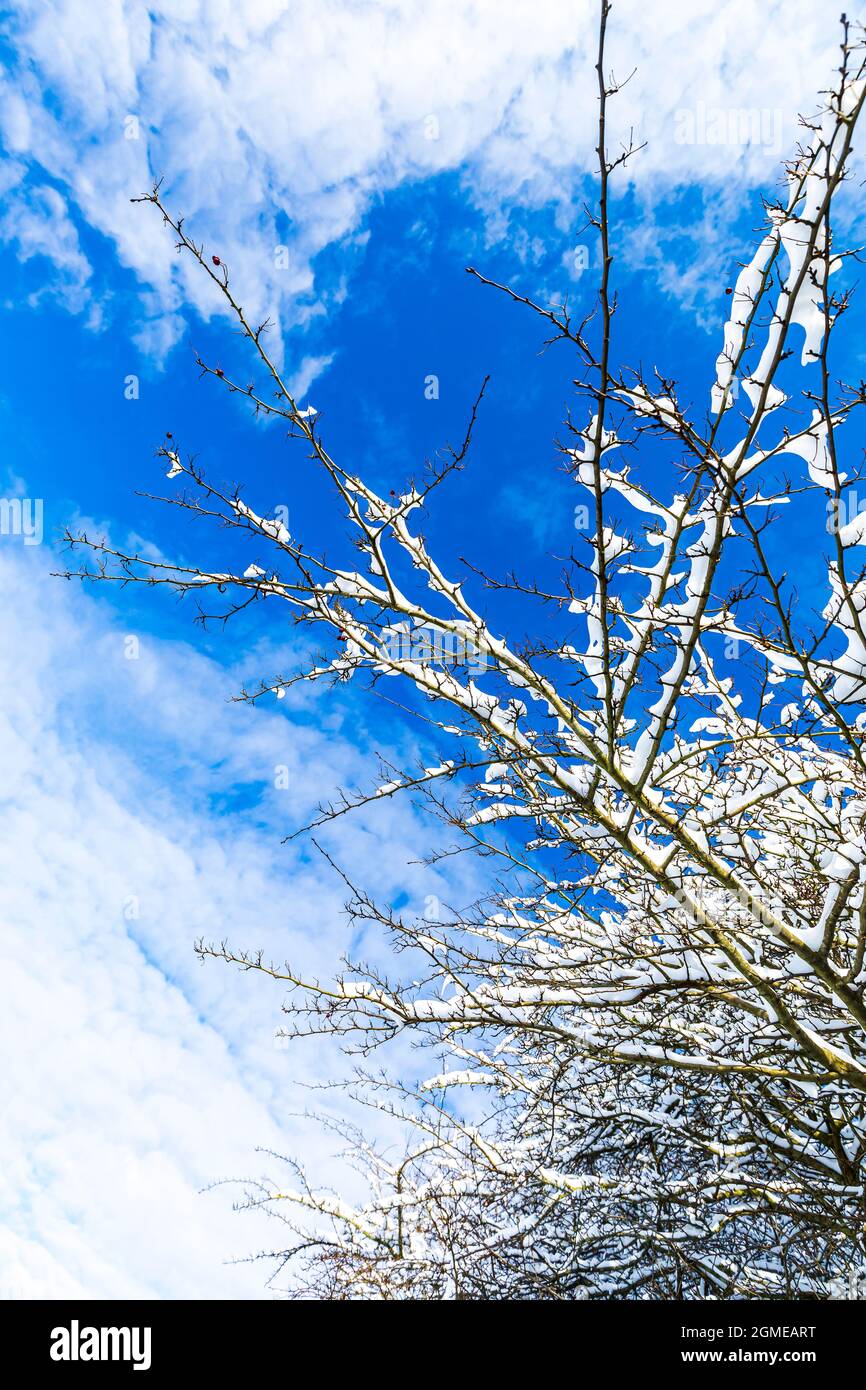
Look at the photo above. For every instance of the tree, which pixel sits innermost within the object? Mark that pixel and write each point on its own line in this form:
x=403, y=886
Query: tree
x=657, y=1018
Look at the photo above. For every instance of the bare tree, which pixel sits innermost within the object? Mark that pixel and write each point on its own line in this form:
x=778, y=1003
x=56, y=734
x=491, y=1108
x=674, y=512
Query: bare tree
x=657, y=1017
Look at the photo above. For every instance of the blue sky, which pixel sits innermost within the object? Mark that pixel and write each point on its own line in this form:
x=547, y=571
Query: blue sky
x=140, y=808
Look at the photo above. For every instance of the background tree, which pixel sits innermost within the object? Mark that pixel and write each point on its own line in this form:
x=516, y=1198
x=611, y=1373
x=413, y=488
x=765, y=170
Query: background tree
x=656, y=1018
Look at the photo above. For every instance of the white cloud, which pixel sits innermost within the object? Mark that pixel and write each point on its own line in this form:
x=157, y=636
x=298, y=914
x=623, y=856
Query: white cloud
x=36, y=221
x=134, y=1076
x=308, y=370
x=278, y=124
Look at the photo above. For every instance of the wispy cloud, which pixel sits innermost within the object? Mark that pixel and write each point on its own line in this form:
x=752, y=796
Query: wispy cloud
x=277, y=126
x=137, y=1076
x=36, y=222
x=308, y=371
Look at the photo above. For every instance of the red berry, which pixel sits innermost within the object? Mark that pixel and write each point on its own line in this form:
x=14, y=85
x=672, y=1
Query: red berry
x=728, y=290
x=219, y=371
x=216, y=260
x=169, y=435
x=393, y=493
x=342, y=637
